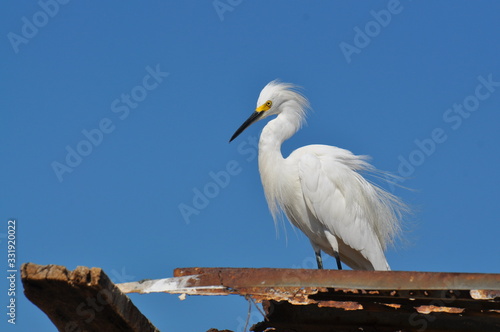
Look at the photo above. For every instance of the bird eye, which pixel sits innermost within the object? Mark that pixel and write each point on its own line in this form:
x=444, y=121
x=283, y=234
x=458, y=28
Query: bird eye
x=269, y=103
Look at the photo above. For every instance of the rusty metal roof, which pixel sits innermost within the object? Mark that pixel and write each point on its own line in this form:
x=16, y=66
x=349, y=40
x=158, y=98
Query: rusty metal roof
x=293, y=299
x=331, y=300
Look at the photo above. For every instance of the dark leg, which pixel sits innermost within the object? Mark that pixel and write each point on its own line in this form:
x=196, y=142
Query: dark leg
x=319, y=260
x=339, y=264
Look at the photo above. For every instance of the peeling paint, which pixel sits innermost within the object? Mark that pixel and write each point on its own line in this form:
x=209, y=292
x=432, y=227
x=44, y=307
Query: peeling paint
x=346, y=305
x=392, y=305
x=427, y=309
x=481, y=294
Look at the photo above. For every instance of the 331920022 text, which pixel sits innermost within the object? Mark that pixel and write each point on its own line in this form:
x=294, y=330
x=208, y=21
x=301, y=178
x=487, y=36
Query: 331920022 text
x=11, y=270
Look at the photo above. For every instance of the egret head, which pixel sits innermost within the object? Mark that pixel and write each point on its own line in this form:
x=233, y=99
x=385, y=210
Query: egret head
x=273, y=100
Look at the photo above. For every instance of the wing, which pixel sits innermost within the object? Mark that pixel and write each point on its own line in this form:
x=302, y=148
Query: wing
x=340, y=199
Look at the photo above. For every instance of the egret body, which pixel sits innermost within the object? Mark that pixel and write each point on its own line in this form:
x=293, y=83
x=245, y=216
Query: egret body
x=321, y=189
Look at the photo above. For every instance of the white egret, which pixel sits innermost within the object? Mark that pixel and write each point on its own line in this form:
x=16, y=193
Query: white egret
x=320, y=188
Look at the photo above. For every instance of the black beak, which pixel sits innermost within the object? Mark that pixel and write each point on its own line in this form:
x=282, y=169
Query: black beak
x=253, y=118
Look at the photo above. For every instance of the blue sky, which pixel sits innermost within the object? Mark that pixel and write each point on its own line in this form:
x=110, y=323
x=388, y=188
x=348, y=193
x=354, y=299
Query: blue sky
x=115, y=117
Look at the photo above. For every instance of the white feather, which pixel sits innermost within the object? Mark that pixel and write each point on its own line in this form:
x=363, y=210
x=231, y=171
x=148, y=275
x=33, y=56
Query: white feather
x=321, y=188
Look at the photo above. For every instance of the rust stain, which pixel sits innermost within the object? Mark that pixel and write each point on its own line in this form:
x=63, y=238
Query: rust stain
x=347, y=279
x=392, y=305
x=346, y=305
x=348, y=290
x=294, y=295
x=482, y=294
x=427, y=309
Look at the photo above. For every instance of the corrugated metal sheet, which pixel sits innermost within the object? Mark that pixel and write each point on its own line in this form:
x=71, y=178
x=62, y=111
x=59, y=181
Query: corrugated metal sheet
x=293, y=299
